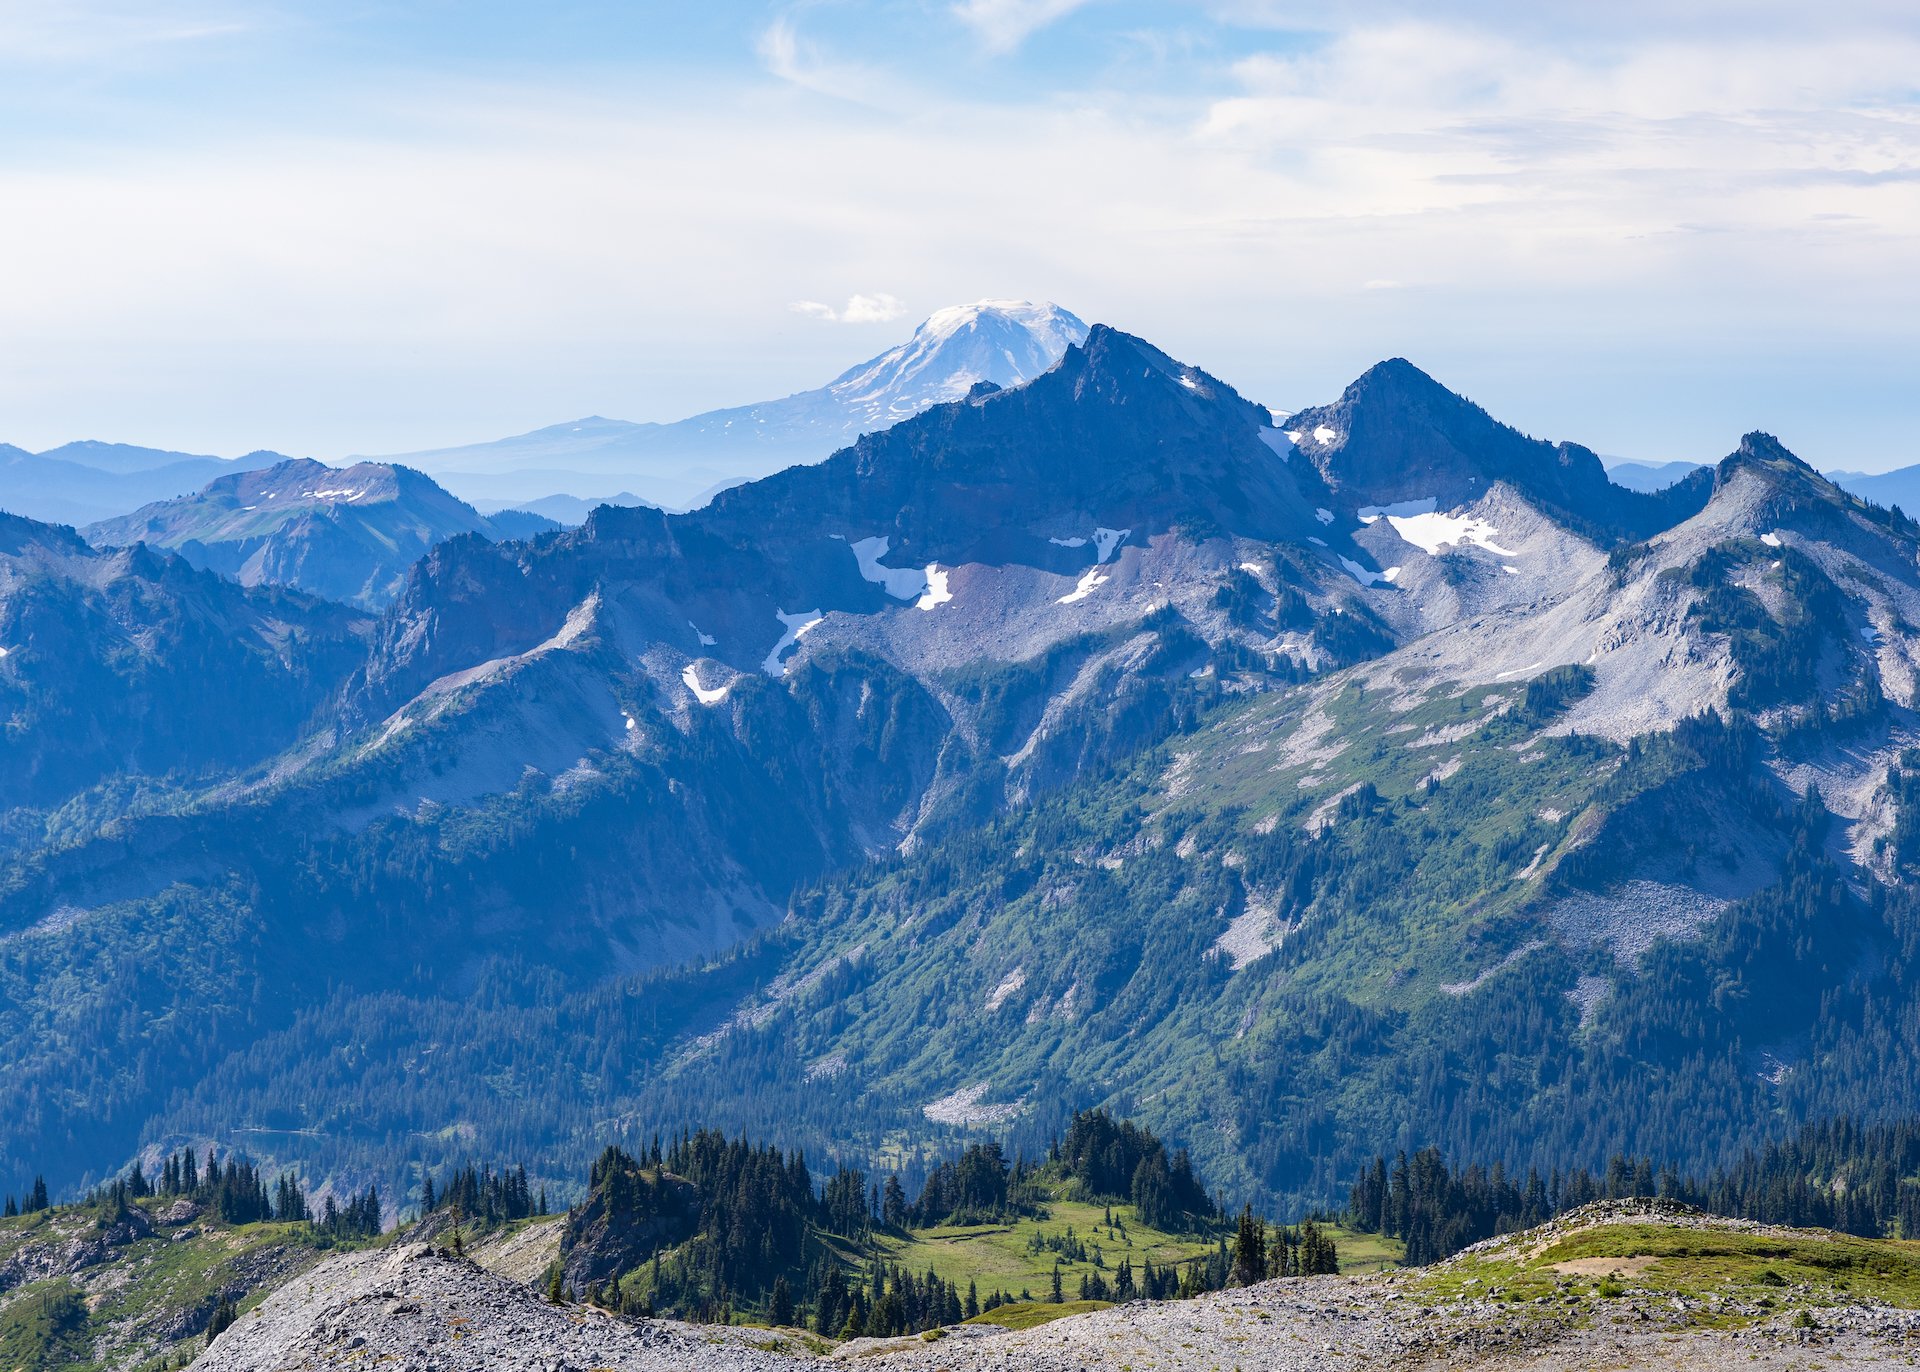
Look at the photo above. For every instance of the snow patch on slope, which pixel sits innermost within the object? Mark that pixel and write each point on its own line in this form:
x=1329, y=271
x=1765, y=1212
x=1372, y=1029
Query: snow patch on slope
x=902, y=583
x=1282, y=445
x=1432, y=532
x=1087, y=585
x=690, y=675
x=796, y=625
x=937, y=592
x=1363, y=575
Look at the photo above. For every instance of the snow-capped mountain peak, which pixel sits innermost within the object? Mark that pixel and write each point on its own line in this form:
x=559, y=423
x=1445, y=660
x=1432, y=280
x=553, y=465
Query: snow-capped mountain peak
x=1006, y=342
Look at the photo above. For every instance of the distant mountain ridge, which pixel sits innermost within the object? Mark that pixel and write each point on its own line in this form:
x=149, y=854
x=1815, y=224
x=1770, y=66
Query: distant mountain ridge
x=1647, y=476
x=348, y=534
x=1004, y=342
x=1091, y=740
x=1900, y=486
x=79, y=483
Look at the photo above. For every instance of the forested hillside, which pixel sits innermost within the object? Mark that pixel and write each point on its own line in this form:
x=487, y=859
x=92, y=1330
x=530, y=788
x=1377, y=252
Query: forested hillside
x=1835, y=1175
x=1385, y=780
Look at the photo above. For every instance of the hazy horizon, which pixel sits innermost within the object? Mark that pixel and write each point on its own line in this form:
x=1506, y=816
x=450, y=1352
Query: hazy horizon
x=252, y=225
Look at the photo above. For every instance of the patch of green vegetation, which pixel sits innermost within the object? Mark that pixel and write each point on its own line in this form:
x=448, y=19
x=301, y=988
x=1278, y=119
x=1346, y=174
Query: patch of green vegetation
x=1012, y=1257
x=1722, y=1277
x=1027, y=1314
x=1688, y=1260
x=45, y=1327
x=158, y=1278
x=1361, y=1252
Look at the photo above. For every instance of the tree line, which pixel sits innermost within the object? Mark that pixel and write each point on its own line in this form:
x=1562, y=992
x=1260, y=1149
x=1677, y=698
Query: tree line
x=236, y=1191
x=1839, y=1174
x=707, y=1226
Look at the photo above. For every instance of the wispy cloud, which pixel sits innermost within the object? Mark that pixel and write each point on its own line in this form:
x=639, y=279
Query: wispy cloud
x=1004, y=25
x=1655, y=200
x=878, y=308
x=790, y=56
x=63, y=32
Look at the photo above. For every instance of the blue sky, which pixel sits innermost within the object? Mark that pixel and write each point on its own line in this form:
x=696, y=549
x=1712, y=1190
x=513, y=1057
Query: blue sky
x=357, y=227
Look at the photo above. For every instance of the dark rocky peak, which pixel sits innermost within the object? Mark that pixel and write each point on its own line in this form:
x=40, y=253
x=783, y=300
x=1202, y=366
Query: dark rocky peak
x=1396, y=434
x=1787, y=475
x=1118, y=435
x=1795, y=494
x=1117, y=428
x=21, y=537
x=1764, y=449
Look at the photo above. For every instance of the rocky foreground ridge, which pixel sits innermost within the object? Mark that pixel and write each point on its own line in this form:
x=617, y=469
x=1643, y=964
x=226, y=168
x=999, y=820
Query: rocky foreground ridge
x=1653, y=1286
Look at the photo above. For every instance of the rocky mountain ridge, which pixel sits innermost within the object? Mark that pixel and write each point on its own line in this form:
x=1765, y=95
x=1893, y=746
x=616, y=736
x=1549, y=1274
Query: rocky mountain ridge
x=346, y=534
x=904, y=742
x=78, y=483
x=131, y=664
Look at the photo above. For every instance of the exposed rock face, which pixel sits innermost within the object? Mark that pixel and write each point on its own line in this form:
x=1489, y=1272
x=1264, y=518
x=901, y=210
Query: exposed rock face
x=419, y=1308
x=630, y=1214
x=1396, y=435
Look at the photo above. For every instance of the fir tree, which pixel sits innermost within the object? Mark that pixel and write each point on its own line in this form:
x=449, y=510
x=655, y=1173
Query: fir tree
x=222, y=1319
x=1249, y=1249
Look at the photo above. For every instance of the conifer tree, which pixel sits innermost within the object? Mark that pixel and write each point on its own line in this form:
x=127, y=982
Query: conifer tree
x=1249, y=1249
x=222, y=1320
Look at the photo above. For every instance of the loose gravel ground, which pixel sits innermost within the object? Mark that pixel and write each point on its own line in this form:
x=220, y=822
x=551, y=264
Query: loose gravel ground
x=417, y=1308
x=420, y=1309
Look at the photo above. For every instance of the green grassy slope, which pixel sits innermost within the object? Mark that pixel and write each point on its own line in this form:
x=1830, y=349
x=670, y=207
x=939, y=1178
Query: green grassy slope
x=1723, y=1273
x=1321, y=924
x=134, y=1291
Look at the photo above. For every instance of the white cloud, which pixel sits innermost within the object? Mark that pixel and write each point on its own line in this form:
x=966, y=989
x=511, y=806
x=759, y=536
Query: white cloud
x=1004, y=25
x=873, y=309
x=879, y=308
x=790, y=56
x=65, y=32
x=475, y=262
x=1615, y=22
